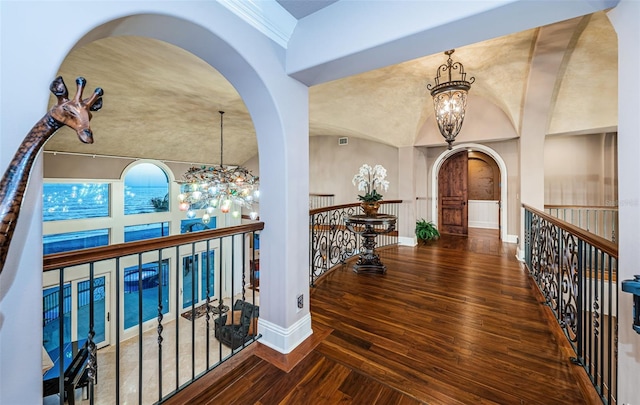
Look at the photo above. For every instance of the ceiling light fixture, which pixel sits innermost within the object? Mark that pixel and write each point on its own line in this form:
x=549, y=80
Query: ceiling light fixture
x=228, y=188
x=450, y=98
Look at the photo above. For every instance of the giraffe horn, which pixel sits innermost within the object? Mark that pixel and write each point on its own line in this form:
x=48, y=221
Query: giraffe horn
x=81, y=82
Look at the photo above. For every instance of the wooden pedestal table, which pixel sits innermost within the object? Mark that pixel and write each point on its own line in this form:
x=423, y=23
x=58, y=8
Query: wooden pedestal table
x=369, y=228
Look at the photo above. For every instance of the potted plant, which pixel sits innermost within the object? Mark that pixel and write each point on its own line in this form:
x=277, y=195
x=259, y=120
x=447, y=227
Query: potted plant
x=368, y=179
x=426, y=231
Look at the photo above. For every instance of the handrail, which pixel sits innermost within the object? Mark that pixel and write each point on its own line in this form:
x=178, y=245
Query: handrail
x=76, y=257
x=597, y=207
x=349, y=205
x=606, y=246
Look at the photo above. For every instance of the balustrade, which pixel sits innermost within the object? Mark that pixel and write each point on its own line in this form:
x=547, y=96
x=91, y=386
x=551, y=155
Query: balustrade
x=155, y=308
x=331, y=243
x=599, y=220
x=576, y=273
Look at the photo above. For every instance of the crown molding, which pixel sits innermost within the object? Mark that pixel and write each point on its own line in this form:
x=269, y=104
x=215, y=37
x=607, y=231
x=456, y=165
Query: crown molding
x=268, y=17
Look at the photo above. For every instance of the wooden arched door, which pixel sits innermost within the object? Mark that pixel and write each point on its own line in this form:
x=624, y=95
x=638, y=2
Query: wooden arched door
x=452, y=195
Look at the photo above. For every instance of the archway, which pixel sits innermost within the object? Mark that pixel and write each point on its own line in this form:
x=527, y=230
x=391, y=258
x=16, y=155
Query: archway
x=248, y=61
x=435, y=169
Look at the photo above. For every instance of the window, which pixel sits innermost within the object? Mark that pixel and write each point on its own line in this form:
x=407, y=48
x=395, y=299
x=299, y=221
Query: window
x=196, y=224
x=151, y=281
x=145, y=231
x=64, y=242
x=61, y=201
x=146, y=190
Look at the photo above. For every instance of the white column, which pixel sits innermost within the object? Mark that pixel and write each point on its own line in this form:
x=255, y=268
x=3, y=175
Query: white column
x=547, y=59
x=625, y=21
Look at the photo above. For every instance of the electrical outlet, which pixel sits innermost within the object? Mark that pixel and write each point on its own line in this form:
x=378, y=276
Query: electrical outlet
x=300, y=301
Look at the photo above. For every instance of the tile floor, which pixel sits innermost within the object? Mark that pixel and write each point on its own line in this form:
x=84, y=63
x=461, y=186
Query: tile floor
x=192, y=338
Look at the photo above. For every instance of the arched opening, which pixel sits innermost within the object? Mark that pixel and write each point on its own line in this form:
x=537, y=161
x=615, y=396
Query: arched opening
x=484, y=158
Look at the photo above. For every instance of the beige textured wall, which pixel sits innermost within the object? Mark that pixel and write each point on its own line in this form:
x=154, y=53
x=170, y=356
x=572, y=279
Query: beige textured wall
x=332, y=166
x=581, y=170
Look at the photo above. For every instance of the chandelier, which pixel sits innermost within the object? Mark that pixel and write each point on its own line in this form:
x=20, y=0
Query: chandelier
x=228, y=188
x=450, y=98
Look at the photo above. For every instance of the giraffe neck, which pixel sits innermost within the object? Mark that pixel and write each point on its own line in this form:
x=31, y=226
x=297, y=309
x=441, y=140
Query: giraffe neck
x=15, y=179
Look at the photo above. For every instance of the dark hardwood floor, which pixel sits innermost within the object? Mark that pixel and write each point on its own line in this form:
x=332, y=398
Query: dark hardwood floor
x=452, y=322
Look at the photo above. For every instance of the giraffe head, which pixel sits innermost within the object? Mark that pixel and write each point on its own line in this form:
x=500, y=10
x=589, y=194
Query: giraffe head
x=75, y=113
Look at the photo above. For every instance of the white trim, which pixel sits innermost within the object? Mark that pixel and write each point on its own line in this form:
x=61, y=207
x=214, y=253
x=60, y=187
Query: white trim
x=268, y=17
x=407, y=241
x=503, y=181
x=511, y=239
x=284, y=340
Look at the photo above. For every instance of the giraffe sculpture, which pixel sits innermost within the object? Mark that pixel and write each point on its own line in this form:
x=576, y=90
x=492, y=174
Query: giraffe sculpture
x=74, y=113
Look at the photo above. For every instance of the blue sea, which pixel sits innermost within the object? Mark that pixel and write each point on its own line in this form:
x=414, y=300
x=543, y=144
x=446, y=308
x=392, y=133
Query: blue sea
x=91, y=200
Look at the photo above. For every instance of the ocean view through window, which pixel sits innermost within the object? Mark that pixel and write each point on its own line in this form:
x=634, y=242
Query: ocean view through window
x=65, y=242
x=61, y=201
x=146, y=189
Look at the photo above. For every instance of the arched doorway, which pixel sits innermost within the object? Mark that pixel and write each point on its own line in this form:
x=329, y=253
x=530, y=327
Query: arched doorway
x=489, y=189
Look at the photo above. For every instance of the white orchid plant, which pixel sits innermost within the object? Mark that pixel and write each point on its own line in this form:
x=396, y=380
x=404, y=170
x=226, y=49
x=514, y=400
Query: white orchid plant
x=370, y=180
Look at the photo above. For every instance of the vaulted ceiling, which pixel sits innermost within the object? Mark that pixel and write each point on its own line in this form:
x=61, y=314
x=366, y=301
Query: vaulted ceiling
x=162, y=102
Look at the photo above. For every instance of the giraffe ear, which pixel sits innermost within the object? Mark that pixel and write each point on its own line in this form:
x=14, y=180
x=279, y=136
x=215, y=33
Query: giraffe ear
x=59, y=89
x=97, y=105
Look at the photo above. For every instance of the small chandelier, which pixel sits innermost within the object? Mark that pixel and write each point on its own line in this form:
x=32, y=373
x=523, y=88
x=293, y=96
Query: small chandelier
x=228, y=188
x=450, y=98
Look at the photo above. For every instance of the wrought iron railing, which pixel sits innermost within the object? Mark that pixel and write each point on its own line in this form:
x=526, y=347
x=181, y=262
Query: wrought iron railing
x=576, y=272
x=599, y=220
x=159, y=335
x=331, y=243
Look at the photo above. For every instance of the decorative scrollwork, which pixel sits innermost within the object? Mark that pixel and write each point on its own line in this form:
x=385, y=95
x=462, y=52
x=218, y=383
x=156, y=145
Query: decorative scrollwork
x=578, y=282
x=331, y=243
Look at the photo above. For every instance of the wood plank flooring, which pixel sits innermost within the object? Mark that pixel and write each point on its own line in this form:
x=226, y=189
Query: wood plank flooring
x=452, y=322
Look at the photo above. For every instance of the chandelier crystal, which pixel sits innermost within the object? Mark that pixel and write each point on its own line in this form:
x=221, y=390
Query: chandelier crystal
x=223, y=187
x=450, y=98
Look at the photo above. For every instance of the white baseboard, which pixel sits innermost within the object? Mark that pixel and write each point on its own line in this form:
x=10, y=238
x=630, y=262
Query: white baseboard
x=407, y=241
x=284, y=340
x=511, y=239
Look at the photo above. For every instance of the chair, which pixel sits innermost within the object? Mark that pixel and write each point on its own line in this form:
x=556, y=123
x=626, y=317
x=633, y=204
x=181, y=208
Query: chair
x=235, y=329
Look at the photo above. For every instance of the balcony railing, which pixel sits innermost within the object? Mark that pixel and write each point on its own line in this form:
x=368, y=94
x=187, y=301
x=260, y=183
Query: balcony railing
x=320, y=200
x=332, y=243
x=599, y=220
x=155, y=315
x=576, y=273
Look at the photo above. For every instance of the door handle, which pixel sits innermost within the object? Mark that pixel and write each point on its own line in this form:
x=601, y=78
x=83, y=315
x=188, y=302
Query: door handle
x=464, y=203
